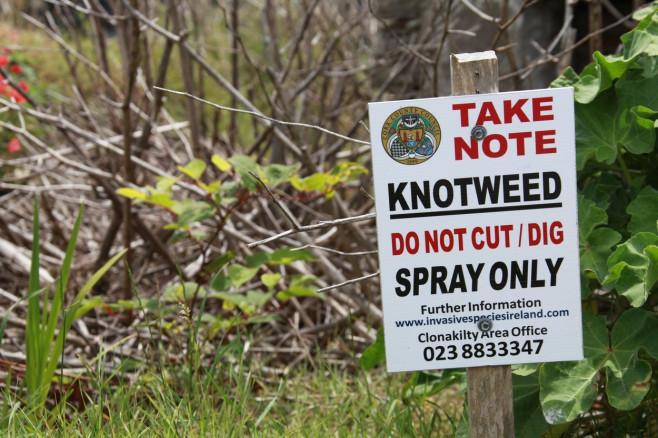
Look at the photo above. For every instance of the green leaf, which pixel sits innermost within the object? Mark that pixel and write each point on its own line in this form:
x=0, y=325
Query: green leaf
x=528, y=415
x=276, y=174
x=220, y=262
x=375, y=353
x=186, y=291
x=596, y=250
x=194, y=169
x=298, y=291
x=569, y=388
x=241, y=274
x=595, y=243
x=596, y=133
x=282, y=256
x=190, y=211
x=129, y=193
x=427, y=383
x=644, y=211
x=286, y=256
x=270, y=280
x=627, y=375
x=243, y=164
x=220, y=282
x=221, y=163
x=633, y=268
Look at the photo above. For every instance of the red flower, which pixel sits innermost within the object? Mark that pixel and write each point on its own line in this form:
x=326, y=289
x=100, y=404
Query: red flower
x=3, y=89
x=15, y=68
x=18, y=97
x=23, y=86
x=4, y=61
x=13, y=146
x=6, y=50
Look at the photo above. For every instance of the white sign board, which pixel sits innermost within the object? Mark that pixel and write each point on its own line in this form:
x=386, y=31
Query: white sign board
x=477, y=229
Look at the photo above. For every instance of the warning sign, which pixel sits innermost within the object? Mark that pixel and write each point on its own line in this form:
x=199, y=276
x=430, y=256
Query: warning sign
x=477, y=229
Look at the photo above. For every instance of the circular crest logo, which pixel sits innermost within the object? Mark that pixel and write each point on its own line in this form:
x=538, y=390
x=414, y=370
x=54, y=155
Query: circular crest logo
x=411, y=135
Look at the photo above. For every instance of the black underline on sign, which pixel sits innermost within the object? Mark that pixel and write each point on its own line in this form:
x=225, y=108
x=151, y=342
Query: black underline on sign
x=476, y=210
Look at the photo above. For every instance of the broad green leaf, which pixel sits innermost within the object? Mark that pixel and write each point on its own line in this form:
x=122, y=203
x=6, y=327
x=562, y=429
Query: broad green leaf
x=190, y=211
x=528, y=415
x=644, y=211
x=643, y=40
x=194, y=169
x=129, y=193
x=569, y=388
x=241, y=274
x=270, y=280
x=626, y=390
x=633, y=268
x=596, y=133
x=221, y=163
x=627, y=375
x=601, y=189
x=596, y=250
x=595, y=243
x=276, y=174
x=375, y=353
x=243, y=164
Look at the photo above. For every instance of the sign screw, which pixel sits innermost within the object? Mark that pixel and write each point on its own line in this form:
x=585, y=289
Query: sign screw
x=485, y=324
x=478, y=132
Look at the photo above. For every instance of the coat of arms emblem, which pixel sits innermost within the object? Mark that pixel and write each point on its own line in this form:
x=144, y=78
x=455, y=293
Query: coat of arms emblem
x=411, y=135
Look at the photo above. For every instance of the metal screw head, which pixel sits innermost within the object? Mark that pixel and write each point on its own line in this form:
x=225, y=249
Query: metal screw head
x=478, y=132
x=485, y=324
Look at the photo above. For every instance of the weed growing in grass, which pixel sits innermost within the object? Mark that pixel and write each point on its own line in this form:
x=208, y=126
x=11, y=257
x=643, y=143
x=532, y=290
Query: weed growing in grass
x=45, y=332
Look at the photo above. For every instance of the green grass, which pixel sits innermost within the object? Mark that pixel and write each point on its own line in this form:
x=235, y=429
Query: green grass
x=321, y=403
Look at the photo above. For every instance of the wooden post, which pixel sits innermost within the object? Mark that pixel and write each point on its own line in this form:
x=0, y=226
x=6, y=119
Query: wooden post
x=490, y=400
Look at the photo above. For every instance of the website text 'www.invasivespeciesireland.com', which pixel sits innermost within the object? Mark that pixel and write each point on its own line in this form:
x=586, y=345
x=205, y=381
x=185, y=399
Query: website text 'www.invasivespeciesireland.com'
x=493, y=342
x=504, y=316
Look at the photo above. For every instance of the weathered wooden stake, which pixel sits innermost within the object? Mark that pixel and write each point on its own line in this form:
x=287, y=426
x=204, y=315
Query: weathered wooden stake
x=490, y=400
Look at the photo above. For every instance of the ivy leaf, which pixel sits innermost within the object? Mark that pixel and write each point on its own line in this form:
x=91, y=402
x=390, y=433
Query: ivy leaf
x=194, y=169
x=241, y=274
x=633, y=268
x=375, y=353
x=298, y=291
x=276, y=174
x=644, y=211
